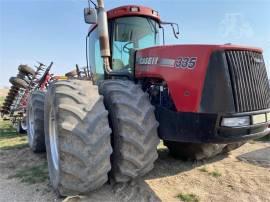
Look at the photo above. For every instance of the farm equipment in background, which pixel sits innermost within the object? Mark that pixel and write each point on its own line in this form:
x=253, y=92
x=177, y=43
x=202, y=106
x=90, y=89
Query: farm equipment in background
x=24, y=104
x=201, y=100
x=79, y=73
x=26, y=82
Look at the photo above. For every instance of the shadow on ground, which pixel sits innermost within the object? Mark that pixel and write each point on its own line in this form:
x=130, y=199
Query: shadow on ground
x=260, y=157
x=139, y=190
x=167, y=165
x=7, y=131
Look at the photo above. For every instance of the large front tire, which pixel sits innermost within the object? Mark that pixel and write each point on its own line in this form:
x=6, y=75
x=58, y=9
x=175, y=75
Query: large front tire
x=134, y=127
x=35, y=122
x=77, y=137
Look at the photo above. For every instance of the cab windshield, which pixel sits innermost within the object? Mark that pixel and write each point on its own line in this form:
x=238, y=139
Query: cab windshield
x=131, y=33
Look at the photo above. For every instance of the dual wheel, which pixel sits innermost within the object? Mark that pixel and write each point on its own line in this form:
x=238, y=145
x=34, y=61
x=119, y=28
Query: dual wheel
x=85, y=141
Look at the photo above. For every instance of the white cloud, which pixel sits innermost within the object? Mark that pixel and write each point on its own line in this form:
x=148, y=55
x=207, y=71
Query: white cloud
x=235, y=26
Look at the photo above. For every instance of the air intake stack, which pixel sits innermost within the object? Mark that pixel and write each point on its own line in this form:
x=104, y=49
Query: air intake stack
x=103, y=35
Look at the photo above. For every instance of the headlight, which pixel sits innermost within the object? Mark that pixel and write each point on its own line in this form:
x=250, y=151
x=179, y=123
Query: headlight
x=258, y=118
x=268, y=116
x=236, y=121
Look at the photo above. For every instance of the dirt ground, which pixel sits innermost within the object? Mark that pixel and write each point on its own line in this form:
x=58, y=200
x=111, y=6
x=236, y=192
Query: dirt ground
x=224, y=178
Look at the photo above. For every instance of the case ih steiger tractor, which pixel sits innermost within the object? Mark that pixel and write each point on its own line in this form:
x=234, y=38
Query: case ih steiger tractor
x=201, y=100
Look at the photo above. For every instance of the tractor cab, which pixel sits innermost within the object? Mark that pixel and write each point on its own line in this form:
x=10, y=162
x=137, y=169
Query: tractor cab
x=130, y=28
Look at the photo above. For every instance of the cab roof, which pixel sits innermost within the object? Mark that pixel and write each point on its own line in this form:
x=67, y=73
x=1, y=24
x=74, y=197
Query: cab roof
x=133, y=10
x=130, y=10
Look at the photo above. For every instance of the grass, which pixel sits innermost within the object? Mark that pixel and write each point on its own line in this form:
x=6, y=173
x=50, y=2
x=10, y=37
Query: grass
x=9, y=138
x=32, y=175
x=265, y=138
x=161, y=145
x=188, y=197
x=214, y=173
x=2, y=100
x=203, y=169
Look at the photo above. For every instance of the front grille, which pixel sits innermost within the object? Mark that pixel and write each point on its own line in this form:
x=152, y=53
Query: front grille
x=249, y=80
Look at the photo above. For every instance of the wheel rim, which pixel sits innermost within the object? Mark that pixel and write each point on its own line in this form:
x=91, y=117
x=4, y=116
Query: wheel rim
x=31, y=125
x=53, y=140
x=23, y=124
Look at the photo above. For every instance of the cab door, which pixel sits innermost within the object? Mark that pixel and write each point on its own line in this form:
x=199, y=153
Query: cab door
x=95, y=59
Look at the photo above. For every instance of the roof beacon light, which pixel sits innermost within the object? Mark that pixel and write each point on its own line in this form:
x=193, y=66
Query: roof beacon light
x=155, y=13
x=134, y=9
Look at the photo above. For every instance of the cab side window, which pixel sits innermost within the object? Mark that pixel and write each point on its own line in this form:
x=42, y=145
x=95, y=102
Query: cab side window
x=95, y=59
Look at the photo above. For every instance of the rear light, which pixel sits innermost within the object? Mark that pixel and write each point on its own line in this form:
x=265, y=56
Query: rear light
x=155, y=13
x=236, y=121
x=134, y=9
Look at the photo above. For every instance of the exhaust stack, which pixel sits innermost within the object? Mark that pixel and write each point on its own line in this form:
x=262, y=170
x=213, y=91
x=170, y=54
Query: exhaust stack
x=103, y=35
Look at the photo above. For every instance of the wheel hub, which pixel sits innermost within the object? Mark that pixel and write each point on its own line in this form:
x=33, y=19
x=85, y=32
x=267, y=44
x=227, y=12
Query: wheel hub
x=23, y=123
x=31, y=125
x=53, y=140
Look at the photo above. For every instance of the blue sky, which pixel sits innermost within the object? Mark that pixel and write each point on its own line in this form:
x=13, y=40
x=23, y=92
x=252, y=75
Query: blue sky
x=54, y=30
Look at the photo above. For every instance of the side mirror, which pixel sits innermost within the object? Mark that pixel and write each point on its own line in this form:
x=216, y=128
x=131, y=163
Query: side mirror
x=174, y=26
x=90, y=15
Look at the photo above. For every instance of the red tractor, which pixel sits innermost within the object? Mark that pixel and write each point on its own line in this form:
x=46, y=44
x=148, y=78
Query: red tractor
x=201, y=100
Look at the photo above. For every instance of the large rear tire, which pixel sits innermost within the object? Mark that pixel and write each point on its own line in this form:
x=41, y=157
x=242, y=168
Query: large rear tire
x=134, y=127
x=194, y=151
x=77, y=137
x=35, y=122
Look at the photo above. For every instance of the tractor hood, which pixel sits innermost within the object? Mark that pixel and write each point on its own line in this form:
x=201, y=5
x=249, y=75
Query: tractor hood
x=166, y=56
x=188, y=68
